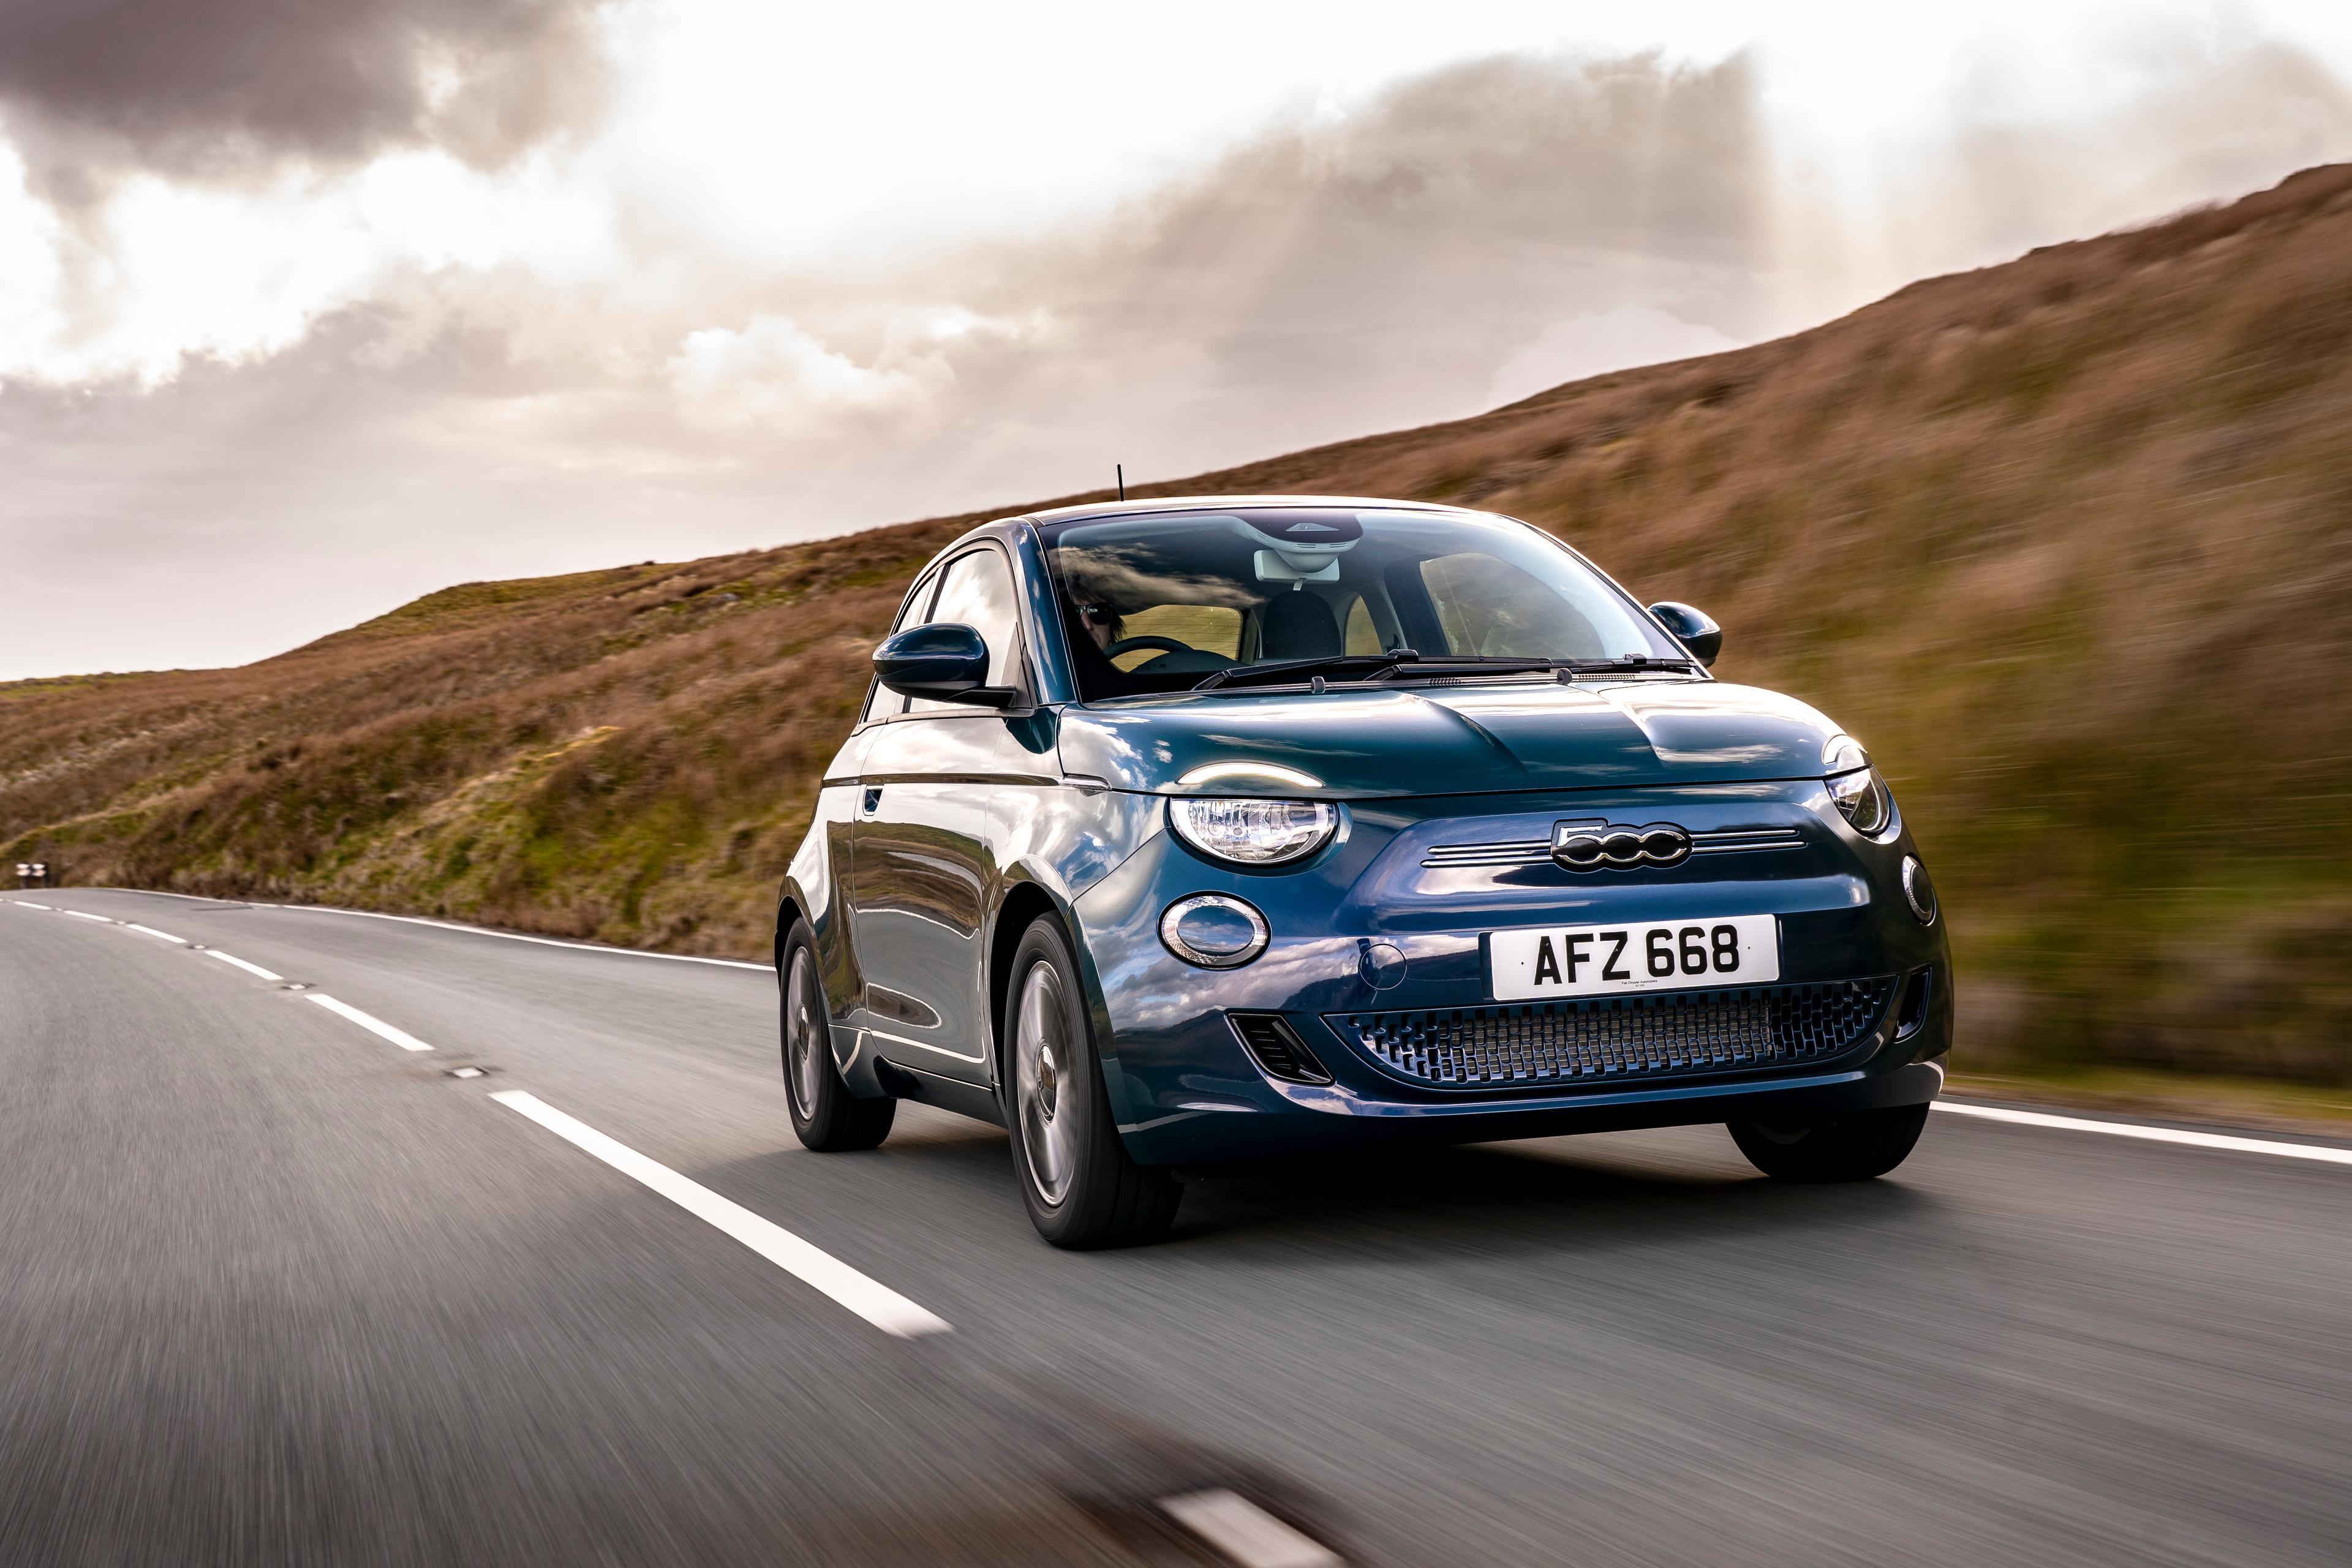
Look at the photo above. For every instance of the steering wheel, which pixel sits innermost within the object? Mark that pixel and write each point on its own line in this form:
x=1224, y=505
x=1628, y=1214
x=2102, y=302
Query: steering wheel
x=1132, y=645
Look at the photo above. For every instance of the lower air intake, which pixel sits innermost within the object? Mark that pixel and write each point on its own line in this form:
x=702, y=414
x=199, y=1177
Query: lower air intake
x=1622, y=1038
x=1277, y=1048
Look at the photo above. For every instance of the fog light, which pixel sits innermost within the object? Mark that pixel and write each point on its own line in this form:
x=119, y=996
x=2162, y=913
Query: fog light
x=1917, y=890
x=1213, y=930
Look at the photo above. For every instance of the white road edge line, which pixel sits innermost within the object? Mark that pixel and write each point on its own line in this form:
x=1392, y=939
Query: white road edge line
x=1246, y=1532
x=870, y=1300
x=517, y=936
x=450, y=925
x=2319, y=1152
x=249, y=968
x=150, y=930
x=401, y=1037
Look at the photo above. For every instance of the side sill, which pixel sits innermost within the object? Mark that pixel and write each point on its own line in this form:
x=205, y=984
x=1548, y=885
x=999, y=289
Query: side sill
x=947, y=1093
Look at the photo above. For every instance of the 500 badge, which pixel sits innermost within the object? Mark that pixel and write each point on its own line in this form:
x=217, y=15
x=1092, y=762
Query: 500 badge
x=1665, y=955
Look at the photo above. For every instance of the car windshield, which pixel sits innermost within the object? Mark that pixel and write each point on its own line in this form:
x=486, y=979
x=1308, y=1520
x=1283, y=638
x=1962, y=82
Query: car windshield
x=1159, y=601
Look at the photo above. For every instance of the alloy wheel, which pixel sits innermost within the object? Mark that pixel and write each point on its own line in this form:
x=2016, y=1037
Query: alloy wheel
x=1045, y=1084
x=806, y=1025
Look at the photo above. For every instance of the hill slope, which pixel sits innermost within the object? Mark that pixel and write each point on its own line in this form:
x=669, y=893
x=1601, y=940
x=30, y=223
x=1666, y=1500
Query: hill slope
x=2065, y=540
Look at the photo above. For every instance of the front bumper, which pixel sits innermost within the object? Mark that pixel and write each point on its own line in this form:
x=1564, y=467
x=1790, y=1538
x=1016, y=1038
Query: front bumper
x=1185, y=1091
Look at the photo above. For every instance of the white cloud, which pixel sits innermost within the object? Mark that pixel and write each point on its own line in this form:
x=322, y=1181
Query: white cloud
x=772, y=374
x=32, y=268
x=165, y=269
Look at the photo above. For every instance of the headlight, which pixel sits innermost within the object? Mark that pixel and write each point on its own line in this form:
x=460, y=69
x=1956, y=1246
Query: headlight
x=1855, y=785
x=1252, y=832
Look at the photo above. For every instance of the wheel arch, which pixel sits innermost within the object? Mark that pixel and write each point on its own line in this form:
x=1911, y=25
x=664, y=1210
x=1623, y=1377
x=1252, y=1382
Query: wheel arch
x=791, y=907
x=1024, y=900
x=1027, y=896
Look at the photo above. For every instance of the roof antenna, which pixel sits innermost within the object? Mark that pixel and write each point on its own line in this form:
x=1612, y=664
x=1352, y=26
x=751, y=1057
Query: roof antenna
x=1121, y=468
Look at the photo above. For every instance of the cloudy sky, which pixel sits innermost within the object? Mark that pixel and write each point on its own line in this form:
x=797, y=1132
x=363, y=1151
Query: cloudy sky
x=308, y=307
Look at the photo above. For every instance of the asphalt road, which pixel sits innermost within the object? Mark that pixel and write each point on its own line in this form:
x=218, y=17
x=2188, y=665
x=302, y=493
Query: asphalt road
x=275, y=1289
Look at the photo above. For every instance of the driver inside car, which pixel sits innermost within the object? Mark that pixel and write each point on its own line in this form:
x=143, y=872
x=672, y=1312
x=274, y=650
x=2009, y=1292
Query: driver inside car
x=1103, y=623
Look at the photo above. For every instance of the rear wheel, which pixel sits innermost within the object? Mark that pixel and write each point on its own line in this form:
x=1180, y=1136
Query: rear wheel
x=826, y=1116
x=1077, y=1179
x=1852, y=1148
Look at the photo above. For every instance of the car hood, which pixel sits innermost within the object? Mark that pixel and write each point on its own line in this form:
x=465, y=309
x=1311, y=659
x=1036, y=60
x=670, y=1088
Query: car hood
x=1452, y=740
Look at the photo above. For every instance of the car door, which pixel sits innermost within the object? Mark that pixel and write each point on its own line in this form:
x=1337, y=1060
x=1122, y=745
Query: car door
x=932, y=807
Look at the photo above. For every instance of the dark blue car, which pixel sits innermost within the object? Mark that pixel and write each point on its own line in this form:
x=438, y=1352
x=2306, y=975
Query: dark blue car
x=1181, y=832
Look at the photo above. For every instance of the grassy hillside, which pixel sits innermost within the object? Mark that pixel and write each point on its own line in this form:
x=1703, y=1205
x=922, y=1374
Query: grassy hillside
x=2065, y=540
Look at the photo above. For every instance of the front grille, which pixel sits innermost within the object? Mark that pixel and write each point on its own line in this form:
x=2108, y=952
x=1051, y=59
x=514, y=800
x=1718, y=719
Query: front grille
x=1620, y=1038
x=1537, y=851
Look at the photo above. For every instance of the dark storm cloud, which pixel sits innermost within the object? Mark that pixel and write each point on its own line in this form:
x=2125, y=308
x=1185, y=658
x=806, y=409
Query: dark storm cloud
x=221, y=86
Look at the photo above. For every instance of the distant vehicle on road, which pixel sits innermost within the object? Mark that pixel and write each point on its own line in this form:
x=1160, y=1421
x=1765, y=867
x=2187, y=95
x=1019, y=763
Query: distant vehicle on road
x=1179, y=832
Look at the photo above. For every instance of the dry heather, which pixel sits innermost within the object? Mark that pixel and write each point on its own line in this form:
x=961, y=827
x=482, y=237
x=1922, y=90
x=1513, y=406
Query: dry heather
x=2062, y=540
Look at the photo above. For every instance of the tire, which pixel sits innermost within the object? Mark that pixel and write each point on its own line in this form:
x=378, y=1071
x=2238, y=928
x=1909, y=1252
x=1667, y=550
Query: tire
x=1077, y=1179
x=827, y=1117
x=1842, y=1149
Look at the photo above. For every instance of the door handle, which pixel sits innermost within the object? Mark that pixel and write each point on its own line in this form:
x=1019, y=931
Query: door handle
x=873, y=799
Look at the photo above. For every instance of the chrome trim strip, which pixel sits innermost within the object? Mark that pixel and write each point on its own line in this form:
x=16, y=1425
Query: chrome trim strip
x=921, y=1046
x=1510, y=852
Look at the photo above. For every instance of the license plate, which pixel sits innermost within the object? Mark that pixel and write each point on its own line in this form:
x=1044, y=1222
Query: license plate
x=1596, y=960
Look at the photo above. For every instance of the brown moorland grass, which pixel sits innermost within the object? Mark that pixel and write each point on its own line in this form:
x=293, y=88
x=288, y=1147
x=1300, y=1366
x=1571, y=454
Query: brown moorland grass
x=2062, y=540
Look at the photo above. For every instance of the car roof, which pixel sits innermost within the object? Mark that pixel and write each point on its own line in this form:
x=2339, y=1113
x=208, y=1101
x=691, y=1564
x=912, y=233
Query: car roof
x=1143, y=505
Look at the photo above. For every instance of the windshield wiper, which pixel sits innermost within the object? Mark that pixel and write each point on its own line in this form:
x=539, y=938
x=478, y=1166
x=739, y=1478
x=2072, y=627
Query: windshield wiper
x=1632, y=665
x=1469, y=663
x=1284, y=668
x=1404, y=664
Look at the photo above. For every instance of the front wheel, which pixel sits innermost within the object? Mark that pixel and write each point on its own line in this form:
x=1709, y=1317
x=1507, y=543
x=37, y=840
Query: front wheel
x=1077, y=1181
x=1853, y=1148
x=827, y=1117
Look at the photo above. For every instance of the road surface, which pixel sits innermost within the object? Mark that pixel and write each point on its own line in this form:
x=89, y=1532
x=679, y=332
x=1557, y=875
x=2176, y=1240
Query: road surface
x=559, y=1287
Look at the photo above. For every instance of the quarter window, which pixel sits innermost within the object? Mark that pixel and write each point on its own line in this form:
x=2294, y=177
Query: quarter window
x=978, y=593
x=882, y=702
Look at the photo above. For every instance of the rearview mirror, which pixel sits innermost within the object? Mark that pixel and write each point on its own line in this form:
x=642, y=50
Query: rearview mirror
x=943, y=662
x=1695, y=629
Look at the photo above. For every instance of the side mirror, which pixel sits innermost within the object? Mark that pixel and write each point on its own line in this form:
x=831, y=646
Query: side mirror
x=1695, y=629
x=943, y=662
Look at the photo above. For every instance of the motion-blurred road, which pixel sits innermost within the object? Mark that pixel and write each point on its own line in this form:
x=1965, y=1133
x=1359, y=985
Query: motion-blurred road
x=275, y=1288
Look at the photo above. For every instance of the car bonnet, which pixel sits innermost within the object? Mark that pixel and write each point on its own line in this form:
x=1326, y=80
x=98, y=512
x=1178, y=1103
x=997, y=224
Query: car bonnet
x=1452, y=738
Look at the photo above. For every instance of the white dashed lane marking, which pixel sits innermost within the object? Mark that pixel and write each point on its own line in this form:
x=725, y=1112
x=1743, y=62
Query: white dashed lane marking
x=869, y=1299
x=2319, y=1152
x=1246, y=1532
x=249, y=968
x=2180, y=1137
x=877, y=1303
x=374, y=1025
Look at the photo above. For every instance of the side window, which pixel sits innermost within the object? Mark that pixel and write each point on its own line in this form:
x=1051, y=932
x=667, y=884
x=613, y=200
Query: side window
x=881, y=703
x=978, y=593
x=1362, y=637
